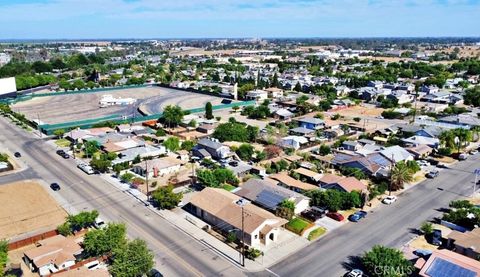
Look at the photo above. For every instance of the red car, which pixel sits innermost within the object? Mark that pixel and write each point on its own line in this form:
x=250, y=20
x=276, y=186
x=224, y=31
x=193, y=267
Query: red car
x=336, y=216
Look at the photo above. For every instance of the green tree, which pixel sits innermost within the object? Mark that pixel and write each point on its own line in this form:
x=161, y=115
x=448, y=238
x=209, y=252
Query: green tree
x=324, y=150
x=127, y=177
x=102, y=163
x=3, y=256
x=59, y=133
x=103, y=241
x=427, y=228
x=399, y=175
x=172, y=144
x=64, y=229
x=391, y=262
x=132, y=259
x=166, y=198
x=188, y=145
x=172, y=115
x=297, y=87
x=208, y=110
x=245, y=151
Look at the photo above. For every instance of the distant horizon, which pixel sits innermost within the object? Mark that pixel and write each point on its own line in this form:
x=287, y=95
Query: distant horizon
x=142, y=19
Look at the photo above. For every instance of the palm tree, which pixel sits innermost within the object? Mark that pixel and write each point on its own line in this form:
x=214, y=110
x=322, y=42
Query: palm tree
x=172, y=115
x=399, y=175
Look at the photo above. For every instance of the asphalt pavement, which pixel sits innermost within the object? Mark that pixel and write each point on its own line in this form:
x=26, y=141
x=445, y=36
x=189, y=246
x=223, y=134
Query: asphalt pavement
x=176, y=253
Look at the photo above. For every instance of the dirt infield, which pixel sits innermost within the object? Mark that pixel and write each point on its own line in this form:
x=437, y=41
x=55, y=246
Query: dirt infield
x=27, y=207
x=65, y=108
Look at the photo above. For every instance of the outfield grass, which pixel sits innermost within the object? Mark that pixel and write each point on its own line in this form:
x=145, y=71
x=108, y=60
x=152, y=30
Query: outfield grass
x=63, y=142
x=316, y=233
x=298, y=225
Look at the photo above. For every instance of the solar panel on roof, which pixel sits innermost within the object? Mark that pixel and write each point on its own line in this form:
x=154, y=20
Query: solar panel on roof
x=444, y=268
x=269, y=199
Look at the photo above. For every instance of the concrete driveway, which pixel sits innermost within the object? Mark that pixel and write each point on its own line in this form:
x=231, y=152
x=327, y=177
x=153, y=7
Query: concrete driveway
x=328, y=223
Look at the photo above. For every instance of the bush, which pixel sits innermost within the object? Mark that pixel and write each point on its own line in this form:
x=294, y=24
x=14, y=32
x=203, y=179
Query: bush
x=253, y=253
x=166, y=198
x=64, y=229
x=461, y=204
x=427, y=228
x=316, y=233
x=445, y=151
x=127, y=177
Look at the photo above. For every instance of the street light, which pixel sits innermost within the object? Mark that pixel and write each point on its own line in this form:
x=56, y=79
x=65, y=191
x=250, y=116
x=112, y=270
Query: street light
x=242, y=202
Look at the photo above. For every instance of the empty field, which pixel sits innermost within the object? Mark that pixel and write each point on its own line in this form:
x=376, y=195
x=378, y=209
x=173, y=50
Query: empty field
x=65, y=108
x=27, y=207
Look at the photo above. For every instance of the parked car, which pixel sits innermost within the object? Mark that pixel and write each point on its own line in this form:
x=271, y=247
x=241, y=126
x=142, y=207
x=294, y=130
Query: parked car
x=437, y=237
x=336, y=216
x=422, y=253
x=423, y=163
x=17, y=154
x=432, y=174
x=86, y=168
x=442, y=165
x=463, y=156
x=65, y=156
x=60, y=152
x=99, y=223
x=474, y=152
x=312, y=215
x=154, y=273
x=355, y=273
x=357, y=216
x=55, y=186
x=389, y=199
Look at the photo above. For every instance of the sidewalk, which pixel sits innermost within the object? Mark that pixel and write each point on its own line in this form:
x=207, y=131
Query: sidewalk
x=187, y=223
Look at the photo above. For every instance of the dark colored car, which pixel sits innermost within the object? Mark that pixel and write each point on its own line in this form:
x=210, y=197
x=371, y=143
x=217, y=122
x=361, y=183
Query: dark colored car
x=65, y=156
x=357, y=216
x=17, y=154
x=422, y=253
x=432, y=174
x=154, y=273
x=336, y=216
x=60, y=152
x=55, y=186
x=312, y=215
x=437, y=237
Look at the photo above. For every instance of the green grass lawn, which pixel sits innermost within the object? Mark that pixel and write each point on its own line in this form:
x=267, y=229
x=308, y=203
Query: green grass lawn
x=316, y=233
x=228, y=187
x=297, y=225
x=63, y=142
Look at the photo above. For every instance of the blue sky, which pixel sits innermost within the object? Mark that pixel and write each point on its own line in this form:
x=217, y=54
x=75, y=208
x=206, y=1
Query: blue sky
x=37, y=19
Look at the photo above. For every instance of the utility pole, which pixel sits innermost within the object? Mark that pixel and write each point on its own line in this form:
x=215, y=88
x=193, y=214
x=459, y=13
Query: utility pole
x=146, y=178
x=391, y=177
x=241, y=202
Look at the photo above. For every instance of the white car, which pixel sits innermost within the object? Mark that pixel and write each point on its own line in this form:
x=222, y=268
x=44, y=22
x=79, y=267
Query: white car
x=474, y=152
x=389, y=199
x=355, y=273
x=423, y=163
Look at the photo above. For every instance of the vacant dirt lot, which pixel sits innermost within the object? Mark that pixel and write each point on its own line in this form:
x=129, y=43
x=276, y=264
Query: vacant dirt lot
x=27, y=207
x=65, y=108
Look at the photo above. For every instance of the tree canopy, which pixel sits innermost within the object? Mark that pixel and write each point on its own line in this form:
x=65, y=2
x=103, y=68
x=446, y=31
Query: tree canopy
x=384, y=261
x=166, y=198
x=132, y=259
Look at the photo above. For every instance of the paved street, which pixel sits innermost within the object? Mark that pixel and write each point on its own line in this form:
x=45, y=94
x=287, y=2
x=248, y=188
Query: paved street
x=388, y=225
x=177, y=254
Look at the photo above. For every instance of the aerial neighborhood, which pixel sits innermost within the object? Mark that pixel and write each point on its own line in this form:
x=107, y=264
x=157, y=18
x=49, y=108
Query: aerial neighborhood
x=257, y=149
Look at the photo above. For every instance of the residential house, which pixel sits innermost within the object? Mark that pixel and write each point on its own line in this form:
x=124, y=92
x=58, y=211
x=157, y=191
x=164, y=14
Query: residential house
x=421, y=140
x=341, y=183
x=267, y=194
x=213, y=147
x=222, y=210
x=311, y=123
x=274, y=92
x=52, y=254
x=351, y=145
x=240, y=169
x=157, y=167
x=206, y=128
x=312, y=176
x=447, y=263
x=294, y=142
x=467, y=243
x=146, y=151
x=302, y=131
x=283, y=114
x=443, y=96
x=420, y=151
x=118, y=146
x=258, y=95
x=402, y=96
x=292, y=183
x=462, y=120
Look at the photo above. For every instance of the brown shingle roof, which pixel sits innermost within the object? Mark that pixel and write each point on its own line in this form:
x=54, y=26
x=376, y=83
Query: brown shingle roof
x=221, y=204
x=292, y=182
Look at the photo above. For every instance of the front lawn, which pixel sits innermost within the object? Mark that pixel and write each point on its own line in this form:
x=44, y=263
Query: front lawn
x=63, y=142
x=316, y=233
x=228, y=187
x=298, y=225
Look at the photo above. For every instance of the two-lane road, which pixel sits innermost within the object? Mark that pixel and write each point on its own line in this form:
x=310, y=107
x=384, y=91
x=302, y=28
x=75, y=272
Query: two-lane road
x=176, y=253
x=388, y=225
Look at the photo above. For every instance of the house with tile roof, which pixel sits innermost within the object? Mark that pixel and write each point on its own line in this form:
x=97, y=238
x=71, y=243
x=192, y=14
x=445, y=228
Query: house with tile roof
x=291, y=183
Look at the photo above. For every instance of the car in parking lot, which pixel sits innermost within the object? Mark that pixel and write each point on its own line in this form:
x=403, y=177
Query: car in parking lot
x=55, y=186
x=357, y=216
x=389, y=199
x=17, y=154
x=432, y=174
x=336, y=216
